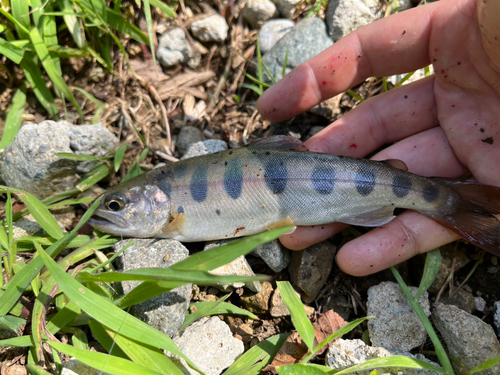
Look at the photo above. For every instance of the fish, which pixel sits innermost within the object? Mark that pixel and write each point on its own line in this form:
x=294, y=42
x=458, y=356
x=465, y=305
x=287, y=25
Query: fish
x=276, y=182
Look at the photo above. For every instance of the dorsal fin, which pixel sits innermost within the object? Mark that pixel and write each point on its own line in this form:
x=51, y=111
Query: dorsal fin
x=396, y=163
x=280, y=142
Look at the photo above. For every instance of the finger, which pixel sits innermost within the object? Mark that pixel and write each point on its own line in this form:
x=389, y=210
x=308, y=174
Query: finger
x=427, y=153
x=380, y=120
x=392, y=45
x=407, y=235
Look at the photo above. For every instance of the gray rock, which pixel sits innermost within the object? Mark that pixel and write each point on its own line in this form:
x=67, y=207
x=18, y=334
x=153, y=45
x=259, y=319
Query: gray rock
x=186, y=137
x=174, y=49
x=480, y=304
x=305, y=40
x=258, y=303
x=30, y=163
x=164, y=312
x=274, y=255
x=460, y=298
x=272, y=31
x=206, y=147
x=467, y=337
x=210, y=29
x=347, y=353
x=395, y=326
x=257, y=12
x=26, y=226
x=93, y=139
x=345, y=16
x=309, y=268
x=287, y=7
x=75, y=367
x=239, y=267
x=210, y=344
x=496, y=317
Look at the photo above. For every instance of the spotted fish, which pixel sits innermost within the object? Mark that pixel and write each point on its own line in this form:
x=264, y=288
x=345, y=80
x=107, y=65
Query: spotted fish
x=276, y=182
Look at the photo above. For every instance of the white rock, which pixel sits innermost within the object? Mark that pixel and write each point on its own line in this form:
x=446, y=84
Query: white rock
x=287, y=7
x=344, y=16
x=174, y=48
x=272, y=31
x=256, y=12
x=210, y=29
x=205, y=147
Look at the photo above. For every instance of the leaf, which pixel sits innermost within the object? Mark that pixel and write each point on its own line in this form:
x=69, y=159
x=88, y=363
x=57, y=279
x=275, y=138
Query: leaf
x=11, y=322
x=119, y=155
x=14, y=117
x=79, y=339
x=21, y=13
x=72, y=23
x=167, y=11
x=117, y=22
x=91, y=178
x=431, y=269
x=11, y=51
x=108, y=314
x=136, y=170
x=149, y=22
x=486, y=365
x=297, y=313
x=103, y=362
x=256, y=358
x=36, y=370
x=392, y=361
x=301, y=370
x=100, y=106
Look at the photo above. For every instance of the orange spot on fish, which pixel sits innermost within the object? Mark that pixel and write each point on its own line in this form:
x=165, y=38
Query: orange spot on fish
x=238, y=229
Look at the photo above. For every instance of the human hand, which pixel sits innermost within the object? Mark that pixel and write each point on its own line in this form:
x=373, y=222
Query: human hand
x=444, y=125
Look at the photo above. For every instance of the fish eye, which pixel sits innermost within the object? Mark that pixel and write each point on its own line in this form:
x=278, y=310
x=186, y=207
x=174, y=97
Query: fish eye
x=115, y=204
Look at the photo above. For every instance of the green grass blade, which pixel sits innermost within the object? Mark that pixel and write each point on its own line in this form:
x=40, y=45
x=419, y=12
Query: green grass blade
x=11, y=322
x=119, y=155
x=52, y=71
x=21, y=13
x=486, y=365
x=103, y=362
x=392, y=361
x=35, y=78
x=108, y=314
x=145, y=291
x=404, y=79
x=149, y=22
x=167, y=11
x=36, y=370
x=14, y=117
x=11, y=51
x=107, y=342
x=284, y=63
x=136, y=170
x=219, y=256
x=258, y=357
x=440, y=352
x=431, y=269
x=91, y=178
x=299, y=369
x=299, y=318
x=355, y=96
x=79, y=339
x=99, y=104
x=116, y=21
x=66, y=6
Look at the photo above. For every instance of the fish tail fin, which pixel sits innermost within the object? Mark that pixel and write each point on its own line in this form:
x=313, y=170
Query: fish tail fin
x=476, y=214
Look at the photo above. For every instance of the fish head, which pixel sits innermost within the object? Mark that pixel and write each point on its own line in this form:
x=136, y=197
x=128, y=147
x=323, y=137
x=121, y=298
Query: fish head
x=132, y=211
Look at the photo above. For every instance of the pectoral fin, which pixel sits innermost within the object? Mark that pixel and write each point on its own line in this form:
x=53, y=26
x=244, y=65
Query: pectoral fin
x=373, y=218
x=175, y=225
x=282, y=223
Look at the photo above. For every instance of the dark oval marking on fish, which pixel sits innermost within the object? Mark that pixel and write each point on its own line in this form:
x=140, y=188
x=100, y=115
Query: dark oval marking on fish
x=180, y=210
x=364, y=181
x=276, y=176
x=233, y=178
x=199, y=185
x=180, y=170
x=401, y=186
x=217, y=212
x=164, y=181
x=431, y=193
x=323, y=178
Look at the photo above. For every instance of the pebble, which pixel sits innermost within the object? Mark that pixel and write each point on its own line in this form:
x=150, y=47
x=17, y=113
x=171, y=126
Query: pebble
x=210, y=344
x=174, y=49
x=186, y=137
x=278, y=307
x=165, y=312
x=213, y=28
x=257, y=12
x=287, y=7
x=30, y=163
x=205, y=147
x=395, y=326
x=467, y=337
x=276, y=256
x=480, y=304
x=347, y=353
x=309, y=268
x=345, y=16
x=14, y=370
x=258, y=303
x=496, y=317
x=272, y=31
x=305, y=40
x=461, y=298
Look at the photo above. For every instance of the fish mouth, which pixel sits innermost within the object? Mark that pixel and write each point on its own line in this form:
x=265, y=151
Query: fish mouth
x=107, y=220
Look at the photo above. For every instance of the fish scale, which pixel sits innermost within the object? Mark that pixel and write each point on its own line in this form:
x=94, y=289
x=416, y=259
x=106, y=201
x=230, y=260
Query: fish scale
x=276, y=183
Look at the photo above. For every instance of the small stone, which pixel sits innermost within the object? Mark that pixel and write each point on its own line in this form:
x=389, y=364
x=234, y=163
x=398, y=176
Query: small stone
x=345, y=16
x=347, y=353
x=305, y=40
x=210, y=29
x=258, y=303
x=188, y=136
x=165, y=312
x=309, y=268
x=210, y=344
x=15, y=370
x=480, y=304
x=257, y=12
x=174, y=49
x=278, y=307
x=25, y=226
x=272, y=31
x=492, y=269
x=206, y=147
x=462, y=299
x=274, y=255
x=287, y=7
x=467, y=337
x=395, y=326
x=496, y=317
x=329, y=109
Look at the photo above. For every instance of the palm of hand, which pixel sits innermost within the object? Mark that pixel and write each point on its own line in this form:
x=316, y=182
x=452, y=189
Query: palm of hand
x=444, y=125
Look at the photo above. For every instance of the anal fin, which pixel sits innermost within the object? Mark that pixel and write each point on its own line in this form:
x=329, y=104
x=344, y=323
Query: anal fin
x=372, y=218
x=282, y=223
x=175, y=225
